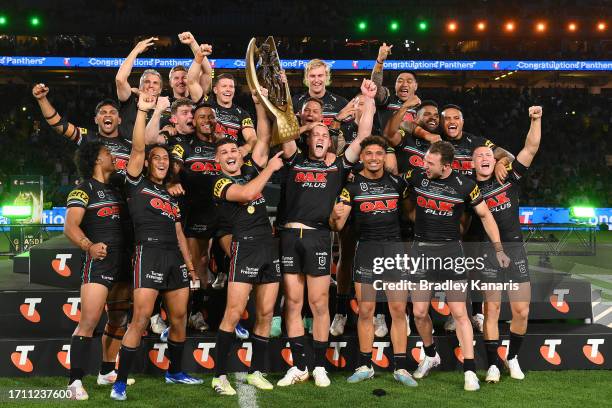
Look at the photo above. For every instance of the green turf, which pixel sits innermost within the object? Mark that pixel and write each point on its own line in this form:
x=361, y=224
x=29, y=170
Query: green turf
x=540, y=389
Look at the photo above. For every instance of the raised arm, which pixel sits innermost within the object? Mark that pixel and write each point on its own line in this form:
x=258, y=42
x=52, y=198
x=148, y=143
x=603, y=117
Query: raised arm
x=264, y=131
x=121, y=79
x=244, y=193
x=364, y=129
x=532, y=142
x=54, y=119
x=196, y=91
x=152, y=135
x=393, y=124
x=382, y=93
x=137, y=154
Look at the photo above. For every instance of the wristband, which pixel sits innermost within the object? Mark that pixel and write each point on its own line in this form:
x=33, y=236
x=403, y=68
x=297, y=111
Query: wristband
x=378, y=62
x=147, y=112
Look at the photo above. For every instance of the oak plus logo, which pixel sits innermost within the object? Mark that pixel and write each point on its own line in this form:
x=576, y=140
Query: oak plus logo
x=28, y=309
x=245, y=353
x=438, y=303
x=63, y=356
x=591, y=351
x=418, y=352
x=20, y=358
x=286, y=354
x=157, y=355
x=334, y=354
x=71, y=309
x=549, y=353
x=60, y=266
x=202, y=355
x=557, y=300
x=378, y=353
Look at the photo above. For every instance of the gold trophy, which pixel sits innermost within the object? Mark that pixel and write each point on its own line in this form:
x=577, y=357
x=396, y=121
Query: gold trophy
x=263, y=68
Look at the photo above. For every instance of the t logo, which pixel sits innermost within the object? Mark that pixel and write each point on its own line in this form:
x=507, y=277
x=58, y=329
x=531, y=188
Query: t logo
x=59, y=265
x=556, y=300
x=591, y=351
x=202, y=355
x=245, y=353
x=157, y=356
x=20, y=358
x=28, y=309
x=333, y=354
x=459, y=353
x=438, y=303
x=418, y=352
x=503, y=349
x=286, y=354
x=378, y=353
x=548, y=351
x=64, y=356
x=71, y=309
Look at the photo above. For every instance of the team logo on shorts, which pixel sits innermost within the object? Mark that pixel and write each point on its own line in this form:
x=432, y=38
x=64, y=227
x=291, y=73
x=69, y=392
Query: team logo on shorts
x=322, y=260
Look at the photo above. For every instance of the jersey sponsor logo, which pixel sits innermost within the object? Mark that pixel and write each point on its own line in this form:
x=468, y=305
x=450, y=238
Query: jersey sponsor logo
x=63, y=356
x=202, y=355
x=157, y=356
x=120, y=164
x=549, y=353
x=416, y=161
x=20, y=358
x=28, y=309
x=378, y=206
x=178, y=151
x=60, y=265
x=220, y=185
x=435, y=207
x=205, y=167
x=334, y=354
x=166, y=207
x=247, y=122
x=591, y=351
x=462, y=165
x=499, y=202
x=345, y=196
x=71, y=309
x=310, y=177
x=489, y=143
x=474, y=193
x=79, y=195
x=227, y=131
x=557, y=300
x=109, y=211
x=83, y=131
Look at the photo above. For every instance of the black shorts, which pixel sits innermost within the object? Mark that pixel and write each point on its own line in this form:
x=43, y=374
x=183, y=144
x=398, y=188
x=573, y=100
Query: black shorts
x=223, y=228
x=159, y=267
x=306, y=251
x=517, y=272
x=439, y=261
x=369, y=266
x=200, y=225
x=115, y=267
x=254, y=262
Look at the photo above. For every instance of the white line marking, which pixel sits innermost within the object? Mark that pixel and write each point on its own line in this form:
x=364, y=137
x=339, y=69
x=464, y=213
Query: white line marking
x=602, y=314
x=247, y=394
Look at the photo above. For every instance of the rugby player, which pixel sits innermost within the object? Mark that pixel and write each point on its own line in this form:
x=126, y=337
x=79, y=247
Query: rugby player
x=442, y=195
x=182, y=120
x=503, y=201
x=309, y=192
x=106, y=118
x=162, y=262
x=254, y=260
x=94, y=224
x=373, y=198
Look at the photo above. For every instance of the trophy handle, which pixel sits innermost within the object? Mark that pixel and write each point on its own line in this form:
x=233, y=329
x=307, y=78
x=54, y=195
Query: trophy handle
x=253, y=82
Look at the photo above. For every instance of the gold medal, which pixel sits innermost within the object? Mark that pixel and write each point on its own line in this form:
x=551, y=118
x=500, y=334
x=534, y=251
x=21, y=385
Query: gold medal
x=250, y=209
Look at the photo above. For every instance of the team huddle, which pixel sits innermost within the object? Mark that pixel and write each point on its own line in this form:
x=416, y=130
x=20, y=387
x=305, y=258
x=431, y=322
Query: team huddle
x=167, y=182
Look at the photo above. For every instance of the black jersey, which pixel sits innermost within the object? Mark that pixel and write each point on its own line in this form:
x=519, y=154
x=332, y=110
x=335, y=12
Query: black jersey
x=154, y=212
x=118, y=146
x=250, y=220
x=199, y=172
x=410, y=152
x=376, y=206
x=440, y=203
x=104, y=210
x=231, y=121
x=390, y=105
x=310, y=189
x=503, y=202
x=128, y=111
x=464, y=148
x=332, y=104
x=180, y=139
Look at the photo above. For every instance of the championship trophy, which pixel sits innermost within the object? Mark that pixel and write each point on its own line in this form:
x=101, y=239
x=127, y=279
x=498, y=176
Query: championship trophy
x=263, y=68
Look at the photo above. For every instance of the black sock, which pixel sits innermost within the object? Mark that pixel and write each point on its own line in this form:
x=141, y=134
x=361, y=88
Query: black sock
x=365, y=359
x=197, y=301
x=476, y=308
x=400, y=361
x=260, y=348
x=469, y=365
x=516, y=340
x=430, y=351
x=175, y=355
x=126, y=358
x=342, y=302
x=277, y=306
x=492, y=356
x=106, y=367
x=79, y=351
x=224, y=342
x=320, y=348
x=297, y=351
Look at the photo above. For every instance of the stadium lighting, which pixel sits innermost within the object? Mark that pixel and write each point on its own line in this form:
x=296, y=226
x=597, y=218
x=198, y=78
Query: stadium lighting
x=16, y=211
x=601, y=26
x=423, y=25
x=481, y=26
x=3, y=20
x=362, y=25
x=34, y=21
x=451, y=26
x=393, y=25
x=582, y=213
x=572, y=27
x=509, y=26
x=540, y=27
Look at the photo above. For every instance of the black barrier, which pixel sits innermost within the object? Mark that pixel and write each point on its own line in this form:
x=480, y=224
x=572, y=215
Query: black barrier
x=56, y=262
